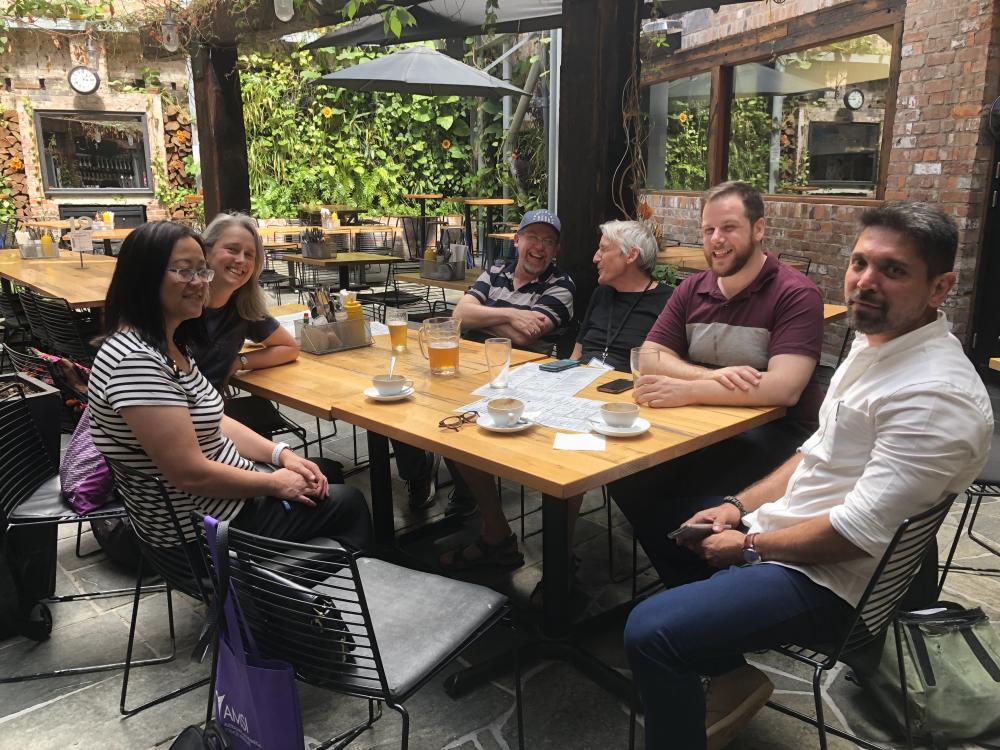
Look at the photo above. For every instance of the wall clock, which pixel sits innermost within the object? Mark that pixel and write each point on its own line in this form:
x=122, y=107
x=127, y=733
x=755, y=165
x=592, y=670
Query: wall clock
x=854, y=99
x=83, y=80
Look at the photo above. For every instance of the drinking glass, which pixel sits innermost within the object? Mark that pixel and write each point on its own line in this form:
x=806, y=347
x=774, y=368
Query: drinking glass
x=644, y=361
x=439, y=339
x=398, y=322
x=498, y=361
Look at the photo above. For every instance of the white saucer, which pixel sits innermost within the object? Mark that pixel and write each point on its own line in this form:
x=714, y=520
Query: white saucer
x=373, y=394
x=638, y=427
x=486, y=422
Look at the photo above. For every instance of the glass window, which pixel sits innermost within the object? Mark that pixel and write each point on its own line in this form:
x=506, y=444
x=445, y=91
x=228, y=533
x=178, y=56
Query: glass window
x=810, y=122
x=677, y=151
x=93, y=151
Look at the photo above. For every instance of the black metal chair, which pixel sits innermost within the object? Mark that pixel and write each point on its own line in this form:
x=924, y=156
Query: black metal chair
x=15, y=325
x=263, y=417
x=65, y=330
x=987, y=485
x=30, y=496
x=798, y=262
x=168, y=544
x=357, y=625
x=875, y=612
x=29, y=305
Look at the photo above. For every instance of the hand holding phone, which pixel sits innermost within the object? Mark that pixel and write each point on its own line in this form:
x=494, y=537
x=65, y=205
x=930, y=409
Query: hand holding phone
x=559, y=366
x=692, y=531
x=616, y=386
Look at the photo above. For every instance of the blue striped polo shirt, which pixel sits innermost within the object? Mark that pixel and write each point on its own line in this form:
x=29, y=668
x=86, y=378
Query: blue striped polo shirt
x=550, y=294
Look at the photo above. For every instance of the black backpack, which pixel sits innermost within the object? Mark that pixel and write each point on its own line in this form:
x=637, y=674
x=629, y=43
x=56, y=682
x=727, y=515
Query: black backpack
x=27, y=576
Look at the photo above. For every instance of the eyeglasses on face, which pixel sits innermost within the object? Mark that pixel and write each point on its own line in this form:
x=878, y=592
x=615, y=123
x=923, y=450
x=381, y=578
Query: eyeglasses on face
x=534, y=239
x=187, y=274
x=455, y=422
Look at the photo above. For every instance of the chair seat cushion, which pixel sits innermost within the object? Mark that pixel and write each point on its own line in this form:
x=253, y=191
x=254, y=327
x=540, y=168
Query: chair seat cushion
x=47, y=503
x=421, y=620
x=991, y=472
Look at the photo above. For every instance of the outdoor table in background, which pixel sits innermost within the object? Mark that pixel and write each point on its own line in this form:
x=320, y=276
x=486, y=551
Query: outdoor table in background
x=61, y=277
x=342, y=262
x=106, y=237
x=471, y=274
x=489, y=204
x=503, y=236
x=995, y=363
x=687, y=257
x=422, y=199
x=833, y=313
x=331, y=386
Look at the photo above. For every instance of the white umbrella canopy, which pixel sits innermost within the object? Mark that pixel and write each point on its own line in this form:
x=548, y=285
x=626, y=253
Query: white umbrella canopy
x=421, y=70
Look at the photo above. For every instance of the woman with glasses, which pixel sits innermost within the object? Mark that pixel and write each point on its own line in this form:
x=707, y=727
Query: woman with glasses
x=153, y=409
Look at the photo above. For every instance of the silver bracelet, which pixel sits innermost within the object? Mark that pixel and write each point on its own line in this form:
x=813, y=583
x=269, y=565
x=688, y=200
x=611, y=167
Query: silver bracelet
x=276, y=453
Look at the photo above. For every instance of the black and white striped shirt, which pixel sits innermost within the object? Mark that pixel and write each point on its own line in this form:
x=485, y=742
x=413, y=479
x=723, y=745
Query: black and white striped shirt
x=129, y=372
x=550, y=294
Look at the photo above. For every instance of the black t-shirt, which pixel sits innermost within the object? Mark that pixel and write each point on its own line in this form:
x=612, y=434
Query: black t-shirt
x=226, y=333
x=608, y=305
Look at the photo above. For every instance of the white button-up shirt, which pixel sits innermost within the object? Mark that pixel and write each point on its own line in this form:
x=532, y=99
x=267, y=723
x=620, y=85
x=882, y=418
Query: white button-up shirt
x=902, y=425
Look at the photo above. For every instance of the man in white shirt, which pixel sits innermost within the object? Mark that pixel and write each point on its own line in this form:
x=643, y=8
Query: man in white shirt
x=906, y=421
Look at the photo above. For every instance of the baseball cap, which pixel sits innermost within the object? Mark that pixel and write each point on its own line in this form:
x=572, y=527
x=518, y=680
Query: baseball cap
x=540, y=216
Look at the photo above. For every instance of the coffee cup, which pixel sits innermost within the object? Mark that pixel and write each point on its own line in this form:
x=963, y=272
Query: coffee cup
x=619, y=414
x=391, y=385
x=505, y=412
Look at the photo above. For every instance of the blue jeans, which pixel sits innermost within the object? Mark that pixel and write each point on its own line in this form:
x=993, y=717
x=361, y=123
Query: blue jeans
x=704, y=628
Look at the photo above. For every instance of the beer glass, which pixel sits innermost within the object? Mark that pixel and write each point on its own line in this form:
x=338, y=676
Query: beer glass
x=439, y=339
x=645, y=361
x=397, y=321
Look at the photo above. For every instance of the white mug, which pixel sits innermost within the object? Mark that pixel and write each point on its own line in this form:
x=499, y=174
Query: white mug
x=505, y=412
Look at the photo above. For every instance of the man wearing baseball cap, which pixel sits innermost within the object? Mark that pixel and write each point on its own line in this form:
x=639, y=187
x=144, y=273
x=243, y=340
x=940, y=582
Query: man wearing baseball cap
x=524, y=298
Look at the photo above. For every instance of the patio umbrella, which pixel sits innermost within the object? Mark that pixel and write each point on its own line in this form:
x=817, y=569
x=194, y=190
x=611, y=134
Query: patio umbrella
x=421, y=70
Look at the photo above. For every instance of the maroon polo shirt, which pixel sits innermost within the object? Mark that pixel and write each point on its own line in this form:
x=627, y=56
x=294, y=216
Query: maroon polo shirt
x=780, y=312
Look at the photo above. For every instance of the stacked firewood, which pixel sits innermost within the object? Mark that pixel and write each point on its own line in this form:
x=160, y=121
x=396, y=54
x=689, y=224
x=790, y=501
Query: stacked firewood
x=12, y=163
x=177, y=136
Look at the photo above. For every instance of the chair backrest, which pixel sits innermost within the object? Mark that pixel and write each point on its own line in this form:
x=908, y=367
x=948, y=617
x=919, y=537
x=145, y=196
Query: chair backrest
x=24, y=462
x=305, y=605
x=798, y=262
x=29, y=364
x=29, y=303
x=160, y=532
x=11, y=308
x=894, y=574
x=63, y=329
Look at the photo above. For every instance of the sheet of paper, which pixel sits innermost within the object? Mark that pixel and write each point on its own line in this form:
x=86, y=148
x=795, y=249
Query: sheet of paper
x=567, y=442
x=549, y=397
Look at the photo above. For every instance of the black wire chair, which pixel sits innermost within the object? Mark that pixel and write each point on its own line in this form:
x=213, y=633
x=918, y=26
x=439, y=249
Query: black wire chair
x=987, y=485
x=357, y=625
x=30, y=496
x=65, y=330
x=29, y=305
x=875, y=612
x=15, y=324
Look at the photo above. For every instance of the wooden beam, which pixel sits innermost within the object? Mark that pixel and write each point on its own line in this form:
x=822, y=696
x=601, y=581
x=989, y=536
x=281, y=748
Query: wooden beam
x=889, y=118
x=222, y=136
x=599, y=57
x=841, y=21
x=718, y=124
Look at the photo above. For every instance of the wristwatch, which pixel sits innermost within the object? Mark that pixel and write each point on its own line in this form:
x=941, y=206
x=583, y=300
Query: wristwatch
x=244, y=362
x=733, y=500
x=750, y=554
x=276, y=453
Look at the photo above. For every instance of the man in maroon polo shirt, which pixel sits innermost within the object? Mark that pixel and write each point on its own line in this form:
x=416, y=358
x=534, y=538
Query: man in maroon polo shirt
x=746, y=332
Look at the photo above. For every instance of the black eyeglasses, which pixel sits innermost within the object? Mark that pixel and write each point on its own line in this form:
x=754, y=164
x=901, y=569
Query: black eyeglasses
x=455, y=422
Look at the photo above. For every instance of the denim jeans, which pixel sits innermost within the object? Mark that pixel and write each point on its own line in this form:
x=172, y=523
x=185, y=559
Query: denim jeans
x=705, y=627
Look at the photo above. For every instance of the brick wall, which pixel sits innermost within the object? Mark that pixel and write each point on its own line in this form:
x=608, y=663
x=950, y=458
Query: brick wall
x=950, y=74
x=704, y=26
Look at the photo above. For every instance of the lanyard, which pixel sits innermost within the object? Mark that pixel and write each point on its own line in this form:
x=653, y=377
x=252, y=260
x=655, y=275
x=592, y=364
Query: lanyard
x=609, y=339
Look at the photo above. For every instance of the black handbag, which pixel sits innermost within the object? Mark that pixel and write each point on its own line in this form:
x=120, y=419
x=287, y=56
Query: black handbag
x=212, y=737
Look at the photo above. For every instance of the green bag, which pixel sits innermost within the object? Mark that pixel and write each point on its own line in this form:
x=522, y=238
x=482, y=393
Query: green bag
x=952, y=661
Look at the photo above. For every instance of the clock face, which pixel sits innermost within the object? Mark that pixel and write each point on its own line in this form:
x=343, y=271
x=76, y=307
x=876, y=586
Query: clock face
x=854, y=99
x=84, y=80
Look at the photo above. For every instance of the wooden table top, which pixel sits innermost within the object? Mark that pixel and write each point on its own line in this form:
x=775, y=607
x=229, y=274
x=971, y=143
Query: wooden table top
x=502, y=235
x=62, y=276
x=336, y=381
x=471, y=274
x=342, y=259
x=422, y=196
x=683, y=256
x=276, y=311
x=487, y=201
x=99, y=235
x=995, y=363
x=833, y=313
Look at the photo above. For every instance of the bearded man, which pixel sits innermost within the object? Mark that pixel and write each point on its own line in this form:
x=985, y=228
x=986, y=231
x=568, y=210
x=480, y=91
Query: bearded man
x=746, y=332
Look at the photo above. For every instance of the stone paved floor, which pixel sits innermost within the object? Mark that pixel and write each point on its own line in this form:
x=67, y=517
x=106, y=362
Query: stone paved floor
x=563, y=709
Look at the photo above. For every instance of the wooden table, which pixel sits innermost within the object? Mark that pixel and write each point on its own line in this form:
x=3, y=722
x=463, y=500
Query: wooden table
x=331, y=386
x=489, y=204
x=995, y=363
x=833, y=313
x=106, y=236
x=343, y=262
x=471, y=274
x=688, y=257
x=61, y=277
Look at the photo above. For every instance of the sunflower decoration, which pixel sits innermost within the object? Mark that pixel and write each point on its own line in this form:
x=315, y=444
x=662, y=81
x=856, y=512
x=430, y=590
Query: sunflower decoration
x=445, y=144
x=326, y=112
x=683, y=117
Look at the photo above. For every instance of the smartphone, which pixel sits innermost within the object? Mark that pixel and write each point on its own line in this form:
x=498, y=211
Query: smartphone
x=692, y=531
x=562, y=364
x=616, y=386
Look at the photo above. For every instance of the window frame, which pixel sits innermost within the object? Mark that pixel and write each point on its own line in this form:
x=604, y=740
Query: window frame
x=720, y=57
x=48, y=189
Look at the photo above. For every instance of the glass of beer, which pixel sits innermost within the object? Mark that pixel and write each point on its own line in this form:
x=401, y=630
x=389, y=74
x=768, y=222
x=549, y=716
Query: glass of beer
x=644, y=361
x=398, y=323
x=439, y=339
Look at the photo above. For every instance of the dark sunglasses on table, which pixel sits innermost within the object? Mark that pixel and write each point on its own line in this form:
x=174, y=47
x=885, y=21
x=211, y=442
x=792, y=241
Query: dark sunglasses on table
x=455, y=422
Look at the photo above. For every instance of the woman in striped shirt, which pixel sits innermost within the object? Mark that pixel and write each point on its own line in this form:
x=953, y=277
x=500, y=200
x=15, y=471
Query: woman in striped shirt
x=153, y=410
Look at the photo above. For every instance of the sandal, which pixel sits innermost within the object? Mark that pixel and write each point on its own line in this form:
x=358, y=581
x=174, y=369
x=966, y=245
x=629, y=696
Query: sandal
x=502, y=555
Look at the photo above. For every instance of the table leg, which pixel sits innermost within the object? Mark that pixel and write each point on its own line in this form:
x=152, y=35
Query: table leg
x=345, y=275
x=423, y=226
x=468, y=228
x=555, y=566
x=381, y=484
x=108, y=250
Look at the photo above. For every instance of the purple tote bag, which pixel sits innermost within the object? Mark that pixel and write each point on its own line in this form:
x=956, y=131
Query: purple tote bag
x=256, y=700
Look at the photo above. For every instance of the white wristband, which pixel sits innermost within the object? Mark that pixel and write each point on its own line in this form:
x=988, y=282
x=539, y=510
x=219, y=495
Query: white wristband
x=276, y=453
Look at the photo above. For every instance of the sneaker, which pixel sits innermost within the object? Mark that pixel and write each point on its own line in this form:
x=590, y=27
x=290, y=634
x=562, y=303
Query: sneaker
x=465, y=507
x=420, y=492
x=731, y=700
